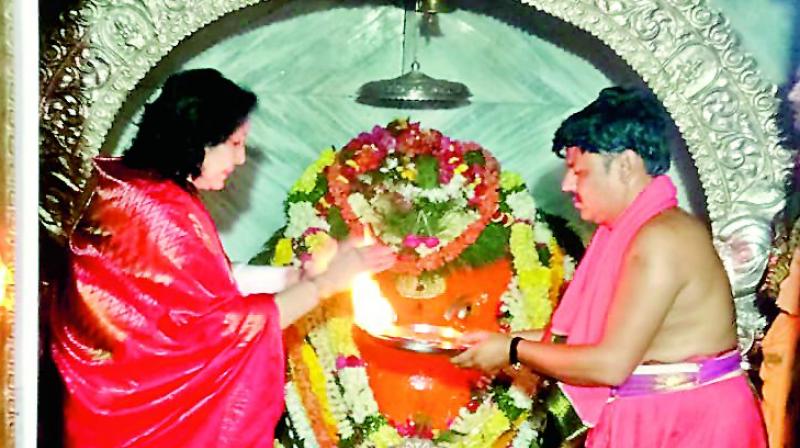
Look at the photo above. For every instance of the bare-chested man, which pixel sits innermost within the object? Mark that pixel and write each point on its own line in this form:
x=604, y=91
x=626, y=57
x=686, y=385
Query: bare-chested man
x=650, y=357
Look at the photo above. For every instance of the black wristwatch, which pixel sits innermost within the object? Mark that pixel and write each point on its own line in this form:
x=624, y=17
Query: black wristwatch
x=512, y=350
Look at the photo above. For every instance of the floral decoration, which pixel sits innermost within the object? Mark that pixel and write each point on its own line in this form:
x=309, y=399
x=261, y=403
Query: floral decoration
x=439, y=203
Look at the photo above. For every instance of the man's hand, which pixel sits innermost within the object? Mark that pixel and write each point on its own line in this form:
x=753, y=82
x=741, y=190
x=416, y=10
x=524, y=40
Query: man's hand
x=489, y=351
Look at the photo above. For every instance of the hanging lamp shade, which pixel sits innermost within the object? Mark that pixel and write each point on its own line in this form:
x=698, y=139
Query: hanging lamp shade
x=414, y=90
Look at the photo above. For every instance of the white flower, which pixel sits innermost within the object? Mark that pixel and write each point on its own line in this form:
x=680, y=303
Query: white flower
x=298, y=416
x=482, y=428
x=455, y=222
x=362, y=208
x=466, y=422
x=424, y=250
x=522, y=205
x=521, y=319
x=456, y=184
x=302, y=217
x=525, y=435
x=541, y=233
x=357, y=393
x=569, y=267
x=390, y=163
x=520, y=398
x=320, y=340
x=452, y=190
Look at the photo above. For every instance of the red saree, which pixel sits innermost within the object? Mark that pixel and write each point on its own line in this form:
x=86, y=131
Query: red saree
x=154, y=341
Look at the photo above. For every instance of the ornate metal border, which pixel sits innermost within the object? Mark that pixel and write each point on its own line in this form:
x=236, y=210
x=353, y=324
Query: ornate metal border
x=683, y=50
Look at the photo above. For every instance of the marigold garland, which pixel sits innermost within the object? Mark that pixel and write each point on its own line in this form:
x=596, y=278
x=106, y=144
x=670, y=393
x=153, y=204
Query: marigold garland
x=311, y=403
x=317, y=381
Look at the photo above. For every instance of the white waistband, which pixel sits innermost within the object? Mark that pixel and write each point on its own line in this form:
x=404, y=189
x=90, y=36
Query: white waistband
x=677, y=367
x=657, y=369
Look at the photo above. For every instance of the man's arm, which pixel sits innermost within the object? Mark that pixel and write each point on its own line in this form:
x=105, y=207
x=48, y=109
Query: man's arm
x=644, y=295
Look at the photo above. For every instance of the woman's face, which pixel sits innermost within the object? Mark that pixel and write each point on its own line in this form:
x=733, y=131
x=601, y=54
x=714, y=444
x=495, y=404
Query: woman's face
x=222, y=159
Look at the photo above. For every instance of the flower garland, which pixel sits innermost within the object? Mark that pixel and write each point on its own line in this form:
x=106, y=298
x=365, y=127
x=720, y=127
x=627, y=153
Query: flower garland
x=436, y=201
x=444, y=169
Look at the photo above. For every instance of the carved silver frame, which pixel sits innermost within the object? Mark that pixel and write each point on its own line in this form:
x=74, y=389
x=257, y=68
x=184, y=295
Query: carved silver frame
x=683, y=50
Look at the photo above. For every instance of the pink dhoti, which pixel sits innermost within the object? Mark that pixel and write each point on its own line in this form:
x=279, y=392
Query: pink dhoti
x=682, y=405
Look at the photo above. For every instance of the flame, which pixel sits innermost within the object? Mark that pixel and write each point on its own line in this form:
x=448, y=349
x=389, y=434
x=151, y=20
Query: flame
x=371, y=310
x=368, y=236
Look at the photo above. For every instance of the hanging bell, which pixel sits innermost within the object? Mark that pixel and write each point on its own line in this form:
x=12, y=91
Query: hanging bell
x=433, y=6
x=429, y=26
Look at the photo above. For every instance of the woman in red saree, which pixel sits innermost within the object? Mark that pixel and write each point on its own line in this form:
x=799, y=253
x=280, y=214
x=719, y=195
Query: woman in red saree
x=156, y=341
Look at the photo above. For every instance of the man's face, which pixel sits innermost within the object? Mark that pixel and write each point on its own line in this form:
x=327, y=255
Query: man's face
x=594, y=182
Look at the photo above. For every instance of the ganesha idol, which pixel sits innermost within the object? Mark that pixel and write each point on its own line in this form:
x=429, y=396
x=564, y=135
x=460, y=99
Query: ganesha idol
x=372, y=368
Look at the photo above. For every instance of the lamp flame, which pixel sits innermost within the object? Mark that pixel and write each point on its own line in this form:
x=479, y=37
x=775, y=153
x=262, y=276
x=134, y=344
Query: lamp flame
x=371, y=310
x=368, y=236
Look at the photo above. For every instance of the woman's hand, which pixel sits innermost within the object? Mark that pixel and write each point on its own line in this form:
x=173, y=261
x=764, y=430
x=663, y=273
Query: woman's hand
x=350, y=260
x=321, y=258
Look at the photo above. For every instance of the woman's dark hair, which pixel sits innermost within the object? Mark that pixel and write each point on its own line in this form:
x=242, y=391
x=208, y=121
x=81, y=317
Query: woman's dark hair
x=196, y=109
x=619, y=119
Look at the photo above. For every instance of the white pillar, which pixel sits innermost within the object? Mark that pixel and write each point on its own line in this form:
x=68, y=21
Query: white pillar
x=26, y=203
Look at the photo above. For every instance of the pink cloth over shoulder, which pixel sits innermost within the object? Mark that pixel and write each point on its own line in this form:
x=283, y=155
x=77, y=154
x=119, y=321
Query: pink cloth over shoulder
x=583, y=311
x=684, y=419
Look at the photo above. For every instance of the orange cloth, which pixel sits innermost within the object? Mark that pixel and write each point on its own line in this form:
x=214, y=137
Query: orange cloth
x=778, y=348
x=776, y=372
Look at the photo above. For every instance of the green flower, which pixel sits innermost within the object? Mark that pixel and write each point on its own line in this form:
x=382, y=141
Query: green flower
x=308, y=180
x=510, y=180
